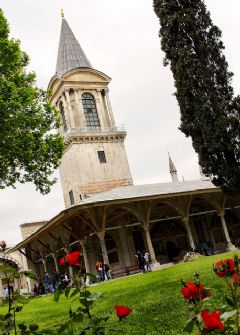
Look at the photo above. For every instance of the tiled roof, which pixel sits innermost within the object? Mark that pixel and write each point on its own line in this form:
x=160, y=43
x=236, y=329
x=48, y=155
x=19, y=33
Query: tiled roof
x=150, y=190
x=70, y=53
x=125, y=194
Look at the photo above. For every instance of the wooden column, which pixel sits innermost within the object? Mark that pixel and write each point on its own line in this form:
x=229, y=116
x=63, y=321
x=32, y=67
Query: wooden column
x=44, y=264
x=185, y=220
x=155, y=264
x=55, y=262
x=230, y=246
x=101, y=236
x=85, y=256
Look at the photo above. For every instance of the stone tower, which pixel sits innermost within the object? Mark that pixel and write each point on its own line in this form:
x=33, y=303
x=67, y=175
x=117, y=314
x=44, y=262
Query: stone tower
x=95, y=159
x=172, y=170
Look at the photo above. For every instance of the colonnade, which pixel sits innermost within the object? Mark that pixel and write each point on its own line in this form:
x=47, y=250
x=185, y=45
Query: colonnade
x=148, y=240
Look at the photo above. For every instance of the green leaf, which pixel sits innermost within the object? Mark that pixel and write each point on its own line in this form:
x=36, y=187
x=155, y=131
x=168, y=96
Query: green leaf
x=189, y=326
x=57, y=295
x=63, y=327
x=230, y=301
x=77, y=317
x=67, y=291
x=75, y=292
x=227, y=315
x=33, y=327
x=22, y=326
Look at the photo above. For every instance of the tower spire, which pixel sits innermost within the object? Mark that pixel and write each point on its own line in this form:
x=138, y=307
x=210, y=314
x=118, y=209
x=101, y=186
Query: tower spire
x=70, y=53
x=172, y=169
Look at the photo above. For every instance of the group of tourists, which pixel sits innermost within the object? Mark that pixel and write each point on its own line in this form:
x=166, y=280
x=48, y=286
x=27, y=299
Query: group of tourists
x=144, y=261
x=103, y=271
x=50, y=283
x=60, y=280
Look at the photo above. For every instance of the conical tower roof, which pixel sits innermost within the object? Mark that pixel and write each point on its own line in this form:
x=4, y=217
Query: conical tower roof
x=70, y=53
x=172, y=168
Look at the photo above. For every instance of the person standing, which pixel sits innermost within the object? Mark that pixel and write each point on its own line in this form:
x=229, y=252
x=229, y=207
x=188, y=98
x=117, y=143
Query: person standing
x=140, y=259
x=47, y=284
x=107, y=271
x=147, y=261
x=99, y=269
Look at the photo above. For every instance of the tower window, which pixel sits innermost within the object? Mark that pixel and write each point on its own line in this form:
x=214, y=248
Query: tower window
x=61, y=107
x=71, y=197
x=101, y=156
x=90, y=110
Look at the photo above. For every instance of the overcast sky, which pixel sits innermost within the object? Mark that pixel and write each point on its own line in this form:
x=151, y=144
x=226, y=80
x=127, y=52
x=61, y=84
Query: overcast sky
x=120, y=38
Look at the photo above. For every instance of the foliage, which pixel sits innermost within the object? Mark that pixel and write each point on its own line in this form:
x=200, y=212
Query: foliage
x=29, y=150
x=224, y=320
x=209, y=110
x=81, y=320
x=14, y=301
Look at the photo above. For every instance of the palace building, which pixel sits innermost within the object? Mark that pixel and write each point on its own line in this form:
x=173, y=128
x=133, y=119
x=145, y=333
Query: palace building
x=106, y=216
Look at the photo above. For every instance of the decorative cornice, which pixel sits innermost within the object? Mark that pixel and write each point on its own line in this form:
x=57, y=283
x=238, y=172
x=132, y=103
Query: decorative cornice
x=94, y=138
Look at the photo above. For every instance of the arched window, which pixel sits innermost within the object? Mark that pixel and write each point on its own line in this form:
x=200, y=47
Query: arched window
x=90, y=110
x=62, y=111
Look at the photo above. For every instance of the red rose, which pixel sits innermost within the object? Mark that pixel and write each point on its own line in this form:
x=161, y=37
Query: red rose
x=224, y=268
x=236, y=278
x=212, y=321
x=122, y=311
x=203, y=293
x=73, y=258
x=70, y=259
x=192, y=291
x=63, y=261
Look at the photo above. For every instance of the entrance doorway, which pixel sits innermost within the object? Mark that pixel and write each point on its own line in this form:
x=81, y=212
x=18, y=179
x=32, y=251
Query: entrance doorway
x=138, y=240
x=172, y=250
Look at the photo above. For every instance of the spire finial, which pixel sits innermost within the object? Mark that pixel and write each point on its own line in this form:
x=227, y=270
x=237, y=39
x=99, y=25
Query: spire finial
x=62, y=13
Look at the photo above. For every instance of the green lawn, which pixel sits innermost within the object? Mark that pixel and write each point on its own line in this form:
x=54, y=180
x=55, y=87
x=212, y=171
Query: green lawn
x=158, y=307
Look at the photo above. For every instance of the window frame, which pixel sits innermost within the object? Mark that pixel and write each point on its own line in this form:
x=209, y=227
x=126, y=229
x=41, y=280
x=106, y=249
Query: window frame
x=101, y=156
x=90, y=111
x=71, y=197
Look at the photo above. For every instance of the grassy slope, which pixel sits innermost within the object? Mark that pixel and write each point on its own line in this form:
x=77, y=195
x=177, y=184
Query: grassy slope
x=155, y=298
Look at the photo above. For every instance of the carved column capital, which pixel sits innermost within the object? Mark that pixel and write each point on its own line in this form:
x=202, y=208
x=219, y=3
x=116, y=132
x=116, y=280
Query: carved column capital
x=221, y=213
x=101, y=235
x=145, y=227
x=83, y=242
x=185, y=220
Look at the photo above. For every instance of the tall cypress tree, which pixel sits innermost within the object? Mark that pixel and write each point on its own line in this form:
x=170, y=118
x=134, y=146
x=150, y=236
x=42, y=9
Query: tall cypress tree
x=209, y=109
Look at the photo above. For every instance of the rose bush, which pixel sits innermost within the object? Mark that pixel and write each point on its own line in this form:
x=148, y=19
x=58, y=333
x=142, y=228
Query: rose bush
x=81, y=321
x=204, y=317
